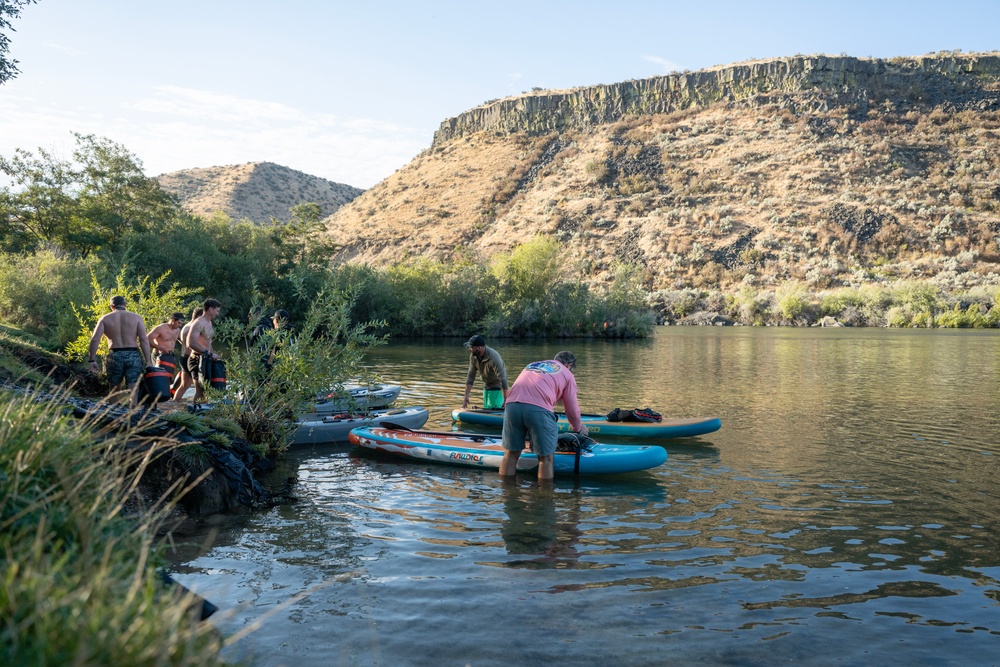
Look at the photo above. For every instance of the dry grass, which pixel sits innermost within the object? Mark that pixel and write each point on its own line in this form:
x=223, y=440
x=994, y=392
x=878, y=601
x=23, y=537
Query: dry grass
x=257, y=191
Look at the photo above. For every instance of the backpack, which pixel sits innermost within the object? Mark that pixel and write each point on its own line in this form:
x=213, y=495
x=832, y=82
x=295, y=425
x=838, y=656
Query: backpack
x=619, y=415
x=573, y=442
x=646, y=415
x=636, y=415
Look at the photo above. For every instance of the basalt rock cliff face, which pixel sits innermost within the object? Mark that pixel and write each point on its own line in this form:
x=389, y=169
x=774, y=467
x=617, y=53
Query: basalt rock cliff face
x=258, y=191
x=824, y=171
x=836, y=80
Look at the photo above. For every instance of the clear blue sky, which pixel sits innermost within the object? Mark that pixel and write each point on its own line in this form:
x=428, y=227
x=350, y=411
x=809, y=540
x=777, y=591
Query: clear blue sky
x=352, y=91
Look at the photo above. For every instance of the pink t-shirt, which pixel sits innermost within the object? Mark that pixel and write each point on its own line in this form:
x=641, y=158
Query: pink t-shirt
x=545, y=383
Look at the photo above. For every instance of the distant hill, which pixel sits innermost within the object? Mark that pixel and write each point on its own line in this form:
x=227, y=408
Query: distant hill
x=258, y=191
x=826, y=171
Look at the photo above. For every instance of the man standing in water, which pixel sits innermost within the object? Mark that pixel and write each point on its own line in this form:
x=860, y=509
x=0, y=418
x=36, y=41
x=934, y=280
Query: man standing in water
x=486, y=362
x=530, y=412
x=199, y=341
x=126, y=334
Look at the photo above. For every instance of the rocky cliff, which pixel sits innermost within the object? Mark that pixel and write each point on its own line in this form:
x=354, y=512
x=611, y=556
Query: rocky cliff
x=257, y=191
x=836, y=80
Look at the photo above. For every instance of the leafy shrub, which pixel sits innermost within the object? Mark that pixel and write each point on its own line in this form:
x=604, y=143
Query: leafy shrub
x=598, y=170
x=142, y=297
x=529, y=271
x=281, y=373
x=792, y=301
x=37, y=291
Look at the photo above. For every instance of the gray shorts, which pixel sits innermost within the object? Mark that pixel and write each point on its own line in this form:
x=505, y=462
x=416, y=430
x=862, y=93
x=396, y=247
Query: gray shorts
x=524, y=420
x=125, y=364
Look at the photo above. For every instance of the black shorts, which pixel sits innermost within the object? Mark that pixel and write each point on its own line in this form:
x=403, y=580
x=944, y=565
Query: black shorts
x=199, y=365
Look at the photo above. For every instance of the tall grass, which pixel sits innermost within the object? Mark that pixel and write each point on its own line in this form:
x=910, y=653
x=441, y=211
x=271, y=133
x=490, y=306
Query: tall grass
x=78, y=584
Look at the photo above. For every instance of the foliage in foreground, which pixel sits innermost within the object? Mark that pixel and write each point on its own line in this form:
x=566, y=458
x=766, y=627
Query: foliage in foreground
x=78, y=583
x=275, y=377
x=143, y=297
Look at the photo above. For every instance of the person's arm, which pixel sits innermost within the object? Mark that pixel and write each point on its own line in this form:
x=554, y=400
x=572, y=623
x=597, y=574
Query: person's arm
x=502, y=370
x=154, y=338
x=469, y=380
x=572, y=407
x=95, y=342
x=144, y=342
x=192, y=337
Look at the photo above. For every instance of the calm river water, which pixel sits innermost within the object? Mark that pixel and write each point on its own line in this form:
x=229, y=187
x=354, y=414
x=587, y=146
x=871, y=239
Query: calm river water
x=845, y=514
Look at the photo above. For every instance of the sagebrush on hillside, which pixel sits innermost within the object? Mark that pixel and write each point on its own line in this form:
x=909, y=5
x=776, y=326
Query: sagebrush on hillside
x=827, y=172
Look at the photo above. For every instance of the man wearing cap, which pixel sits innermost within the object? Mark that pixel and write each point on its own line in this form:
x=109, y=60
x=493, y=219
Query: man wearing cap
x=486, y=362
x=163, y=337
x=265, y=324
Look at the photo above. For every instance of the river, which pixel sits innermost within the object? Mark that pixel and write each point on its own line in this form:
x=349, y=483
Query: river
x=844, y=515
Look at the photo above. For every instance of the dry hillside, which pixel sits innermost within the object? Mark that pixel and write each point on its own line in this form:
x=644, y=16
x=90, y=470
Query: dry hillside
x=257, y=191
x=826, y=171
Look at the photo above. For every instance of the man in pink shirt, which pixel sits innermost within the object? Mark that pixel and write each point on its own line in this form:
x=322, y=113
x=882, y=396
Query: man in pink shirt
x=530, y=412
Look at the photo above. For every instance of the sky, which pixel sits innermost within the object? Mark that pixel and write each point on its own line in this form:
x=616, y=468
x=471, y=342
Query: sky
x=352, y=91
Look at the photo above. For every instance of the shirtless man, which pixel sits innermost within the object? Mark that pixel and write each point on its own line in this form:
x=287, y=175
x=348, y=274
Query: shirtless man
x=163, y=337
x=199, y=340
x=123, y=329
x=183, y=379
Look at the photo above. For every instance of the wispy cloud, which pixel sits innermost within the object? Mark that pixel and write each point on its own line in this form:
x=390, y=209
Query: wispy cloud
x=173, y=128
x=666, y=66
x=68, y=50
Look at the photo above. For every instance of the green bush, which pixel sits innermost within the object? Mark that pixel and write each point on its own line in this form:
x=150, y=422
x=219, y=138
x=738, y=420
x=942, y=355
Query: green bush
x=792, y=301
x=216, y=257
x=37, y=291
x=519, y=294
x=529, y=271
x=143, y=297
x=280, y=373
x=974, y=316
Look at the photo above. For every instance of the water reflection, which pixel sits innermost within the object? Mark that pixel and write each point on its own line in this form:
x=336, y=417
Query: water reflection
x=542, y=522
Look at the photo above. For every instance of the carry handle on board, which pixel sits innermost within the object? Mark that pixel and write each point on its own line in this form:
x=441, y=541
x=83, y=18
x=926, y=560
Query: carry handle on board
x=584, y=440
x=392, y=426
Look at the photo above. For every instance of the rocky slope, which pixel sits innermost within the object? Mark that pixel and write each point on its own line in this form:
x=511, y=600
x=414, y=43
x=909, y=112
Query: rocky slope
x=821, y=170
x=257, y=191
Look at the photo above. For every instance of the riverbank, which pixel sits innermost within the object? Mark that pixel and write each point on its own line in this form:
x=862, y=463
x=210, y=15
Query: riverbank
x=81, y=581
x=209, y=449
x=901, y=304
x=89, y=491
